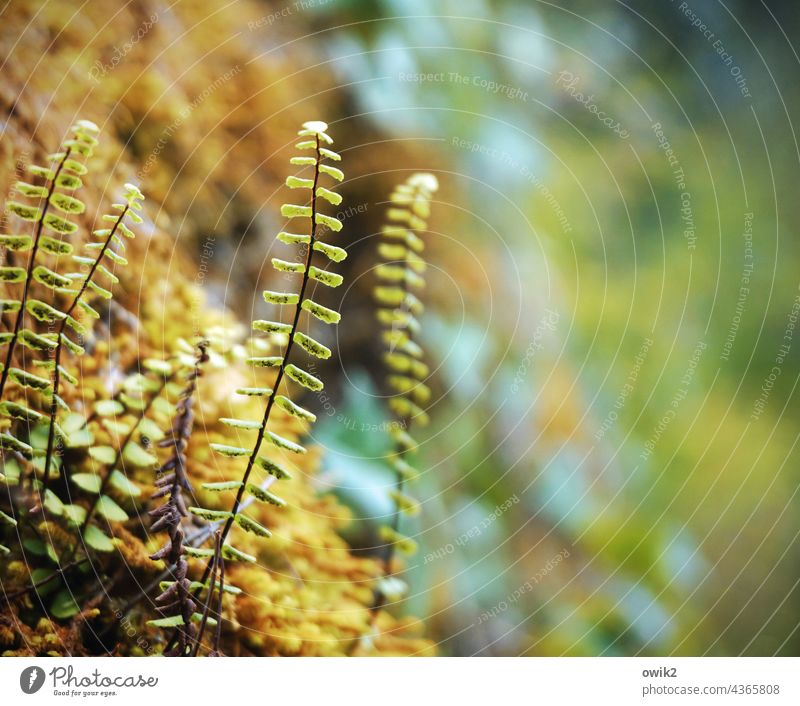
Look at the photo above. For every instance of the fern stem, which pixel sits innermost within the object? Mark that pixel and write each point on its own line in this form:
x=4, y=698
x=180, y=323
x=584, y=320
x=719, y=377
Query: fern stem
x=60, y=347
x=215, y=560
x=279, y=377
x=12, y=344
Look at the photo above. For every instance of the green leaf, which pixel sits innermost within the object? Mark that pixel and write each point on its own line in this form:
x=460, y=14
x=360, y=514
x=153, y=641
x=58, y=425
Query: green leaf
x=59, y=225
x=222, y=486
x=330, y=196
x=265, y=496
x=273, y=468
x=290, y=210
x=337, y=174
x=198, y=552
x=252, y=526
x=17, y=243
x=75, y=514
x=30, y=190
x=328, y=222
x=110, y=510
x=16, y=410
x=233, y=554
x=23, y=211
x=272, y=361
x=64, y=606
x=55, y=247
x=10, y=443
x=135, y=455
x=324, y=152
x=286, y=266
x=294, y=409
x=90, y=482
x=284, y=443
x=230, y=451
x=271, y=326
x=26, y=379
x=303, y=378
x=172, y=621
x=53, y=503
x=312, y=346
x=211, y=515
x=293, y=238
x=329, y=279
x=67, y=204
x=330, y=251
x=48, y=278
x=240, y=423
x=98, y=540
x=294, y=182
x=280, y=297
x=35, y=342
x=12, y=275
x=108, y=408
x=8, y=519
x=328, y=316
x=122, y=483
x=44, y=312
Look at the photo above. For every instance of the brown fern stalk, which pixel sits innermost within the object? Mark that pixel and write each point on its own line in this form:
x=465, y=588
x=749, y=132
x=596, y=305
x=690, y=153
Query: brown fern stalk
x=172, y=480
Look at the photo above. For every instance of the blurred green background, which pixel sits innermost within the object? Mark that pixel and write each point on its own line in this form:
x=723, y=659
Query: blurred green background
x=607, y=302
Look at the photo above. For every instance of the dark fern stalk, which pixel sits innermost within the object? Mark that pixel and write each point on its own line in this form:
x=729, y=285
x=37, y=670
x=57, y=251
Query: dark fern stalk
x=314, y=138
x=175, y=600
x=401, y=275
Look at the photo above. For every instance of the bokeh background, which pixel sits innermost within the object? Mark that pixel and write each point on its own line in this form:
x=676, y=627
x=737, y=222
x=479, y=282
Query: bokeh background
x=612, y=303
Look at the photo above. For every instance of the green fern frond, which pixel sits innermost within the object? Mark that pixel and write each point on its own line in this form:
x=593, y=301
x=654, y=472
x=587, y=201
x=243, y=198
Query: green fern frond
x=400, y=275
x=81, y=286
x=63, y=175
x=307, y=212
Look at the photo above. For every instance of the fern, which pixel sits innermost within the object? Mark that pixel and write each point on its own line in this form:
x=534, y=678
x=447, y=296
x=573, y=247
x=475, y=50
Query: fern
x=400, y=275
x=175, y=600
x=65, y=322
x=314, y=139
x=107, y=250
x=62, y=176
x=125, y=418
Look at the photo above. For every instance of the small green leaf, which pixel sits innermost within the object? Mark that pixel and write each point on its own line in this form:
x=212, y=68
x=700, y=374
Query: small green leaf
x=122, y=483
x=283, y=443
x=230, y=451
x=265, y=496
x=137, y=456
x=211, y=515
x=108, y=408
x=64, y=605
x=252, y=526
x=89, y=482
x=110, y=510
x=98, y=540
x=222, y=486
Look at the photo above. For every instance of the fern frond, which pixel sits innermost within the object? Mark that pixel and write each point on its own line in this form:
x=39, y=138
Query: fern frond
x=307, y=212
x=63, y=175
x=399, y=275
x=108, y=249
x=175, y=601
